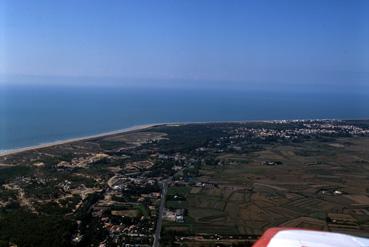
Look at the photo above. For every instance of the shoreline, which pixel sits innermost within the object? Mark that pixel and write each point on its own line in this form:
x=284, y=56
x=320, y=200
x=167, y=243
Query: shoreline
x=83, y=138
x=139, y=127
x=103, y=134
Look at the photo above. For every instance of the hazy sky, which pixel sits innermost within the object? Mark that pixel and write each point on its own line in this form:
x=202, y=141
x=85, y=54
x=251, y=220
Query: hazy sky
x=210, y=42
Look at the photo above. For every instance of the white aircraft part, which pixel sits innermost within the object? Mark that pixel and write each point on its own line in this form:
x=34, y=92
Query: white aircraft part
x=302, y=238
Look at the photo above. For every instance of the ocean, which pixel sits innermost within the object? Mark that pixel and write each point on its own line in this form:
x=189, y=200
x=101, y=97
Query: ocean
x=38, y=114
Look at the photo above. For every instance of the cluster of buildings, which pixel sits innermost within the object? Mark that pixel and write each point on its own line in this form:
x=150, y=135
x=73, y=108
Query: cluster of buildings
x=128, y=210
x=128, y=205
x=27, y=180
x=176, y=215
x=82, y=162
x=300, y=129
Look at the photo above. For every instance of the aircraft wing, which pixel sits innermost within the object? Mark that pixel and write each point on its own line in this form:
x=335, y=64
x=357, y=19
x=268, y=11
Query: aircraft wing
x=290, y=237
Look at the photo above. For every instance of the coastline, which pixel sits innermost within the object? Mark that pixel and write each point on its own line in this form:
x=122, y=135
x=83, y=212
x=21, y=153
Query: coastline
x=70, y=140
x=103, y=134
x=140, y=127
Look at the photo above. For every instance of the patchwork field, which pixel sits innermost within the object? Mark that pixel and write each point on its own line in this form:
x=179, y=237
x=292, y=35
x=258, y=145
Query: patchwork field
x=311, y=181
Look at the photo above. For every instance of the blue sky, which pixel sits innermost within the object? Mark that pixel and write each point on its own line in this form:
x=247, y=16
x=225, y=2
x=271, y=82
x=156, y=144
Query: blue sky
x=204, y=42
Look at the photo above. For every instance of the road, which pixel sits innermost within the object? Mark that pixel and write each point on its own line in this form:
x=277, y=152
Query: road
x=160, y=216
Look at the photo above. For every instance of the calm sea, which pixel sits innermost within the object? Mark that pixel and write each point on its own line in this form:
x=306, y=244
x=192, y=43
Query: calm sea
x=31, y=115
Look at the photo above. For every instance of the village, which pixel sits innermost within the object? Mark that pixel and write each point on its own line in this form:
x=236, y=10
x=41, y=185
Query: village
x=193, y=184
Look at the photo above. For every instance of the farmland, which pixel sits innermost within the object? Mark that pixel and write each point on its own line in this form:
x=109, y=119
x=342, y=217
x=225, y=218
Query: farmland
x=316, y=185
x=205, y=184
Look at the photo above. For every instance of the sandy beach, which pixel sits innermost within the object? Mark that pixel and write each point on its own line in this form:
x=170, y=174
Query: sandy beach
x=132, y=128
x=50, y=144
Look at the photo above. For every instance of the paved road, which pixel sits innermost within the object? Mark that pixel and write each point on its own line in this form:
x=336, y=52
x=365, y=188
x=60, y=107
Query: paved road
x=160, y=216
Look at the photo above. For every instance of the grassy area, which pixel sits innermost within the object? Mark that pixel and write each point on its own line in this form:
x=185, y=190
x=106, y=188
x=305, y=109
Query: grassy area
x=179, y=190
x=142, y=210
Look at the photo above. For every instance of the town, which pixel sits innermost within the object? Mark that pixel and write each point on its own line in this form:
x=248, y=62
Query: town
x=211, y=184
